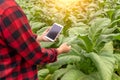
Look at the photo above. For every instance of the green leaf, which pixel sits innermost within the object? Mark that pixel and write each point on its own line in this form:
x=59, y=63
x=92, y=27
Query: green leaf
x=117, y=14
x=105, y=61
x=108, y=49
x=75, y=49
x=48, y=77
x=66, y=60
x=115, y=77
x=40, y=31
x=117, y=36
x=72, y=74
x=92, y=76
x=109, y=30
x=36, y=26
x=97, y=13
x=59, y=73
x=78, y=30
x=105, y=38
x=46, y=44
x=62, y=60
x=60, y=39
x=80, y=24
x=86, y=43
x=118, y=28
x=52, y=69
x=115, y=22
x=70, y=40
x=43, y=72
x=75, y=74
x=40, y=78
x=117, y=57
x=110, y=13
x=97, y=26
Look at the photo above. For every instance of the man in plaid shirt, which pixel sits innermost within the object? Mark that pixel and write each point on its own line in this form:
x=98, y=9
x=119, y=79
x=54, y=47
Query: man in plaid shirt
x=20, y=51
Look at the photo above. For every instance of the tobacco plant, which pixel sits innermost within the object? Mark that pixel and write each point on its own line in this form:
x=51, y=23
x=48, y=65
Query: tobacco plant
x=92, y=56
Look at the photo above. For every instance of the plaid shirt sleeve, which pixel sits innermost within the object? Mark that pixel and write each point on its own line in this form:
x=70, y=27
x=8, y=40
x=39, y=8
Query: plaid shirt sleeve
x=18, y=35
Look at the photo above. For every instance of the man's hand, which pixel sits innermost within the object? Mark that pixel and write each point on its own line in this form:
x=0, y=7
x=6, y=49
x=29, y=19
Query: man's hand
x=64, y=48
x=42, y=37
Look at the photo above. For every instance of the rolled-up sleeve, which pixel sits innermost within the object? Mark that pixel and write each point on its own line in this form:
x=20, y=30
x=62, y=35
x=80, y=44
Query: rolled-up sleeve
x=18, y=35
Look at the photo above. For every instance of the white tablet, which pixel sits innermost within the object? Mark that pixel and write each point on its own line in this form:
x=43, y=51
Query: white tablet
x=54, y=32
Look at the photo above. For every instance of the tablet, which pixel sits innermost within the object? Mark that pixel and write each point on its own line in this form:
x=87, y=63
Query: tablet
x=54, y=32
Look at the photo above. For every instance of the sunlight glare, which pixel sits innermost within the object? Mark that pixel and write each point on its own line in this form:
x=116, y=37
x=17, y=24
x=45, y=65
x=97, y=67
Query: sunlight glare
x=67, y=2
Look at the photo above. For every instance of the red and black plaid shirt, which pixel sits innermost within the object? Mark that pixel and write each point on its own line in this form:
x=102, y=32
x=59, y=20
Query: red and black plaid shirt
x=19, y=50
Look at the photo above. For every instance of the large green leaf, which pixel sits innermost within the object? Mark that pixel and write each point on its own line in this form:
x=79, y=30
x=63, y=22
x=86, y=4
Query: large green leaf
x=59, y=73
x=43, y=72
x=97, y=26
x=72, y=74
x=70, y=40
x=85, y=43
x=75, y=49
x=63, y=60
x=66, y=60
x=75, y=74
x=104, y=61
x=103, y=39
x=78, y=30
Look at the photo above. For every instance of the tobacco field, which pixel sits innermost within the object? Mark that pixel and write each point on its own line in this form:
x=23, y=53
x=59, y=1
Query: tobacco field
x=91, y=27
